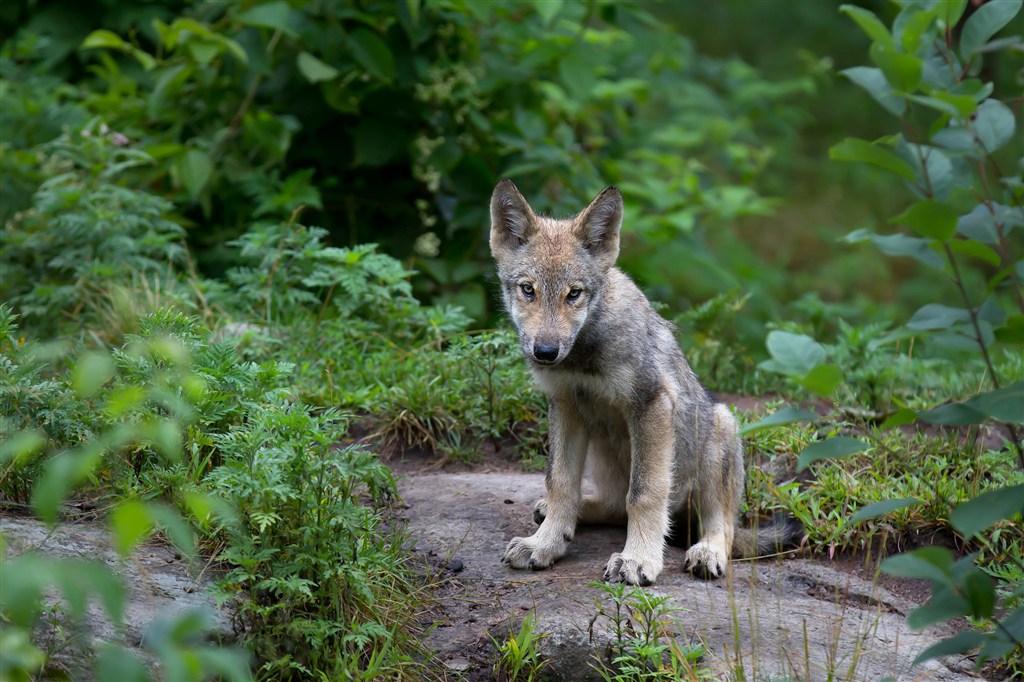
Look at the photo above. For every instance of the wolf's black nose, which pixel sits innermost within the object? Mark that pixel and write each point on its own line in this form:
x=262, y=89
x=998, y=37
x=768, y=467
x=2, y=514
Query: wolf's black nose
x=545, y=352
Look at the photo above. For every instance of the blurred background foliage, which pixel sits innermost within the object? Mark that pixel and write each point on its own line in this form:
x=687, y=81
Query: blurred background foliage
x=390, y=122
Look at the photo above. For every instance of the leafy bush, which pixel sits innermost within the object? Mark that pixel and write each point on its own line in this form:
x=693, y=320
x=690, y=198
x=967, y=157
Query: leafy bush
x=84, y=233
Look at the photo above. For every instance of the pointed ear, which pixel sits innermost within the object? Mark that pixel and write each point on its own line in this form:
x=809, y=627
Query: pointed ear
x=512, y=219
x=597, y=227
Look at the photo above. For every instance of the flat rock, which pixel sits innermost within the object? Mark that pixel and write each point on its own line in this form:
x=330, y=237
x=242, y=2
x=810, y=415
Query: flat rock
x=158, y=582
x=803, y=618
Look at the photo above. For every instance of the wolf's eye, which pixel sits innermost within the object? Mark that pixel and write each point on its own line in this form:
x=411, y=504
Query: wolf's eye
x=574, y=294
x=527, y=289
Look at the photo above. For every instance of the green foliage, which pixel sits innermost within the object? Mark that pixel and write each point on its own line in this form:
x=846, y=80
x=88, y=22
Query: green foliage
x=952, y=130
x=84, y=232
x=643, y=638
x=314, y=574
x=518, y=657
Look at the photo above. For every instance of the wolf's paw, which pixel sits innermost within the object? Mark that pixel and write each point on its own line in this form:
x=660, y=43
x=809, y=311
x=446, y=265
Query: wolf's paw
x=540, y=510
x=624, y=569
x=529, y=553
x=705, y=560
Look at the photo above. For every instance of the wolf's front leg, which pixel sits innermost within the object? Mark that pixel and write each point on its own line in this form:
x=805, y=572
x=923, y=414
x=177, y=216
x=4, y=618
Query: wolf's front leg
x=565, y=473
x=652, y=447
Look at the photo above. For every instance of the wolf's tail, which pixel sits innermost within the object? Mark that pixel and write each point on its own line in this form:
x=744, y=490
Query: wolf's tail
x=782, y=532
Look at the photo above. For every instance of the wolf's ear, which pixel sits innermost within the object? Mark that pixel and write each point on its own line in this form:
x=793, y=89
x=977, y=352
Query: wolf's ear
x=512, y=219
x=597, y=227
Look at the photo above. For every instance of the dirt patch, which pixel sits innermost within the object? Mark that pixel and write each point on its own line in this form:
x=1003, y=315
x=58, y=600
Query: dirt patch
x=794, y=617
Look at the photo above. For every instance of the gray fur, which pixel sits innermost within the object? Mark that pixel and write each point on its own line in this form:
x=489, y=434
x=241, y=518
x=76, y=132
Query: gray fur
x=621, y=395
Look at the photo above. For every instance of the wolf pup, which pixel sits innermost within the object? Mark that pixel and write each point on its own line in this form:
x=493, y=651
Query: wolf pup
x=620, y=392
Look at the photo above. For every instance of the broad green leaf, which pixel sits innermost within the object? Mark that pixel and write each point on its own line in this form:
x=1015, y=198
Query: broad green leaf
x=917, y=21
x=273, y=15
x=372, y=53
x=900, y=245
x=981, y=512
x=101, y=580
x=938, y=316
x=823, y=380
x=957, y=644
x=853, y=149
x=869, y=23
x=994, y=124
x=118, y=663
x=90, y=373
x=104, y=38
x=957, y=139
x=950, y=11
x=903, y=71
x=929, y=563
x=1011, y=332
x=944, y=606
x=953, y=414
x=933, y=170
x=123, y=400
x=985, y=23
x=787, y=415
x=315, y=70
x=876, y=509
x=975, y=250
x=177, y=530
x=793, y=354
x=20, y=445
x=930, y=219
x=899, y=418
x=547, y=9
x=194, y=170
x=873, y=81
x=61, y=475
x=830, y=448
x=980, y=594
x=1005, y=405
x=131, y=524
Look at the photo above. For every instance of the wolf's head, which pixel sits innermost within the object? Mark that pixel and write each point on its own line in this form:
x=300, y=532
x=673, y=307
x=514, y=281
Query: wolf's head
x=552, y=272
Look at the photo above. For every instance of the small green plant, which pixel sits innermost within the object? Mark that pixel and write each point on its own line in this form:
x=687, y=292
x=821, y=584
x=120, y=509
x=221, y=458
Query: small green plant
x=319, y=584
x=519, y=658
x=643, y=644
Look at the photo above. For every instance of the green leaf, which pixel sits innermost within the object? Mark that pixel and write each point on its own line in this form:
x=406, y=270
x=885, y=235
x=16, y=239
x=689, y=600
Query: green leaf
x=372, y=53
x=929, y=563
x=957, y=644
x=131, y=524
x=985, y=23
x=903, y=71
x=21, y=445
x=869, y=23
x=118, y=663
x=975, y=249
x=876, y=509
x=853, y=149
x=315, y=70
x=900, y=245
x=787, y=415
x=1004, y=405
x=994, y=124
x=176, y=528
x=194, y=170
x=982, y=512
x=944, y=606
x=273, y=15
x=823, y=380
x=953, y=414
x=937, y=316
x=873, y=81
x=930, y=219
x=1011, y=332
x=547, y=9
x=899, y=418
x=104, y=38
x=950, y=11
x=918, y=20
x=793, y=354
x=980, y=594
x=830, y=448
x=61, y=475
x=90, y=373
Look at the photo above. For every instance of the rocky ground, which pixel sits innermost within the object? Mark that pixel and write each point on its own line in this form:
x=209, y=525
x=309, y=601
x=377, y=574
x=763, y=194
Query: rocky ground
x=804, y=618
x=798, y=617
